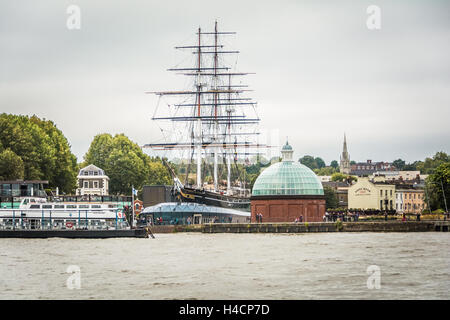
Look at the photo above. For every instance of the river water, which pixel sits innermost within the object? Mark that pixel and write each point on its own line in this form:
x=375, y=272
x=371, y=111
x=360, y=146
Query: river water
x=229, y=266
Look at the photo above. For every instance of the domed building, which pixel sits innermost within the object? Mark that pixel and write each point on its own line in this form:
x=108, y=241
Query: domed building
x=287, y=190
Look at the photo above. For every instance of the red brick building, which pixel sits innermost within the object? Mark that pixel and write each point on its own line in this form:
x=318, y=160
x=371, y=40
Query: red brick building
x=288, y=190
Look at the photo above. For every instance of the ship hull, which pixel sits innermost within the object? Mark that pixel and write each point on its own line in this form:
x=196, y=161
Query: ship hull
x=213, y=199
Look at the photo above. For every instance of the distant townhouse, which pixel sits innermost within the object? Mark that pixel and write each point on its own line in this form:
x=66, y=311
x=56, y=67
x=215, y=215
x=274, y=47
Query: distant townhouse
x=409, y=177
x=409, y=199
x=92, y=180
x=367, y=168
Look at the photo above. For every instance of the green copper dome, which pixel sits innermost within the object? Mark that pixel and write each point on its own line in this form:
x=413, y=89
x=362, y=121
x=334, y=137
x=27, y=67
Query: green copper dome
x=287, y=178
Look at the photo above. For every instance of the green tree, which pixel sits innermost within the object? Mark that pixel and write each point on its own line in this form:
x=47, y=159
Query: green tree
x=331, y=198
x=125, y=163
x=399, y=164
x=342, y=177
x=412, y=166
x=251, y=178
x=334, y=164
x=326, y=171
x=99, y=150
x=159, y=174
x=337, y=176
x=430, y=164
x=44, y=150
x=309, y=161
x=438, y=187
x=319, y=162
x=11, y=166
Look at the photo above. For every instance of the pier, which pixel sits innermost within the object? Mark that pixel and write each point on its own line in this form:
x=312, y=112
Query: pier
x=309, y=227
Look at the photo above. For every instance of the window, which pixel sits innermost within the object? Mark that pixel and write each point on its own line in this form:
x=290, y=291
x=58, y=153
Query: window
x=35, y=206
x=84, y=206
x=95, y=173
x=46, y=206
x=95, y=184
x=381, y=192
x=59, y=206
x=71, y=206
x=391, y=192
x=86, y=184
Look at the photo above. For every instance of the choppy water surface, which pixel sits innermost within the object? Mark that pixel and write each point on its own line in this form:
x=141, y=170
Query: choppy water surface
x=229, y=266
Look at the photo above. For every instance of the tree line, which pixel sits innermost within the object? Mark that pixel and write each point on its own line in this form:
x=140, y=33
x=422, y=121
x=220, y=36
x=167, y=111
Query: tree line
x=35, y=149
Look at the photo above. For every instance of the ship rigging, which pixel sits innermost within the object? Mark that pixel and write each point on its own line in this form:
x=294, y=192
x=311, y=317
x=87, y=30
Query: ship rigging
x=216, y=118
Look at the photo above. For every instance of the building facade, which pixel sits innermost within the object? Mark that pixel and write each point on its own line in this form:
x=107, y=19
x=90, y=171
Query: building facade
x=368, y=168
x=410, y=200
x=366, y=194
x=341, y=189
x=344, y=165
x=287, y=190
x=409, y=177
x=92, y=180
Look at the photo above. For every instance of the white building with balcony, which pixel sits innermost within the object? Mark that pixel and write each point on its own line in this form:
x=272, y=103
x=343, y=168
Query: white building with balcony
x=92, y=180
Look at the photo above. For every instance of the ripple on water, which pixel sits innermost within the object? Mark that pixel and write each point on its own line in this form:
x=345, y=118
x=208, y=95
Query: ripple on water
x=227, y=266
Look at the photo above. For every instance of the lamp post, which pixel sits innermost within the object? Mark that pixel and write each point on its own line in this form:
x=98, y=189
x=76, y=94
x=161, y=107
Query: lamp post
x=132, y=205
x=443, y=194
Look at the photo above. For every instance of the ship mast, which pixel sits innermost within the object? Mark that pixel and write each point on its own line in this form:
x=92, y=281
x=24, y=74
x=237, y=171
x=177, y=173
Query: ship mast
x=216, y=124
x=199, y=122
x=211, y=113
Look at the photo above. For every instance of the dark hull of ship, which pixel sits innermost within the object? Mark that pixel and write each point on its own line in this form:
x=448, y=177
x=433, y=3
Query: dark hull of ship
x=214, y=199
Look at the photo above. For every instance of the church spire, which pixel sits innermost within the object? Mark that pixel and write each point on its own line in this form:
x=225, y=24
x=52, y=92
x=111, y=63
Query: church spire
x=344, y=166
x=345, y=145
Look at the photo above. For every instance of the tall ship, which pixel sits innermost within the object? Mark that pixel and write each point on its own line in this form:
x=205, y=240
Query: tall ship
x=212, y=124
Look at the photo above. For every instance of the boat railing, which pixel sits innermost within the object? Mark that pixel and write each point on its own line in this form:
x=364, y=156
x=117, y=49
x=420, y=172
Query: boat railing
x=48, y=220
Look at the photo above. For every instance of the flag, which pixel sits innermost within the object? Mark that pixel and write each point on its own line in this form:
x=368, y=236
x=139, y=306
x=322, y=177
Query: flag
x=134, y=191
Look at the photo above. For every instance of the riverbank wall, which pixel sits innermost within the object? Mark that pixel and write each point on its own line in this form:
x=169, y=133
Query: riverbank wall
x=312, y=227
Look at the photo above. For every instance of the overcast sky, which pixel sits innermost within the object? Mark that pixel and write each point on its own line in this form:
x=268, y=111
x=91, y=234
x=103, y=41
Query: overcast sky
x=320, y=71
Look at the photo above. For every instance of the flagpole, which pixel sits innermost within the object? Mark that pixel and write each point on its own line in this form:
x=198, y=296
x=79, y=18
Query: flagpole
x=132, y=204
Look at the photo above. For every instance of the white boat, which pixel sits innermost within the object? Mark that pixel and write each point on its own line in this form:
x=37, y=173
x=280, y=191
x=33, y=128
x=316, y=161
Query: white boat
x=37, y=213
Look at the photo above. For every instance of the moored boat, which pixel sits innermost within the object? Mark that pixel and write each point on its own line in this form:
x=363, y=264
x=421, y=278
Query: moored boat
x=38, y=214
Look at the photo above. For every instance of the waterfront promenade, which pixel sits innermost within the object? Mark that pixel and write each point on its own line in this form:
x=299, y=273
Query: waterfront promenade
x=309, y=227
